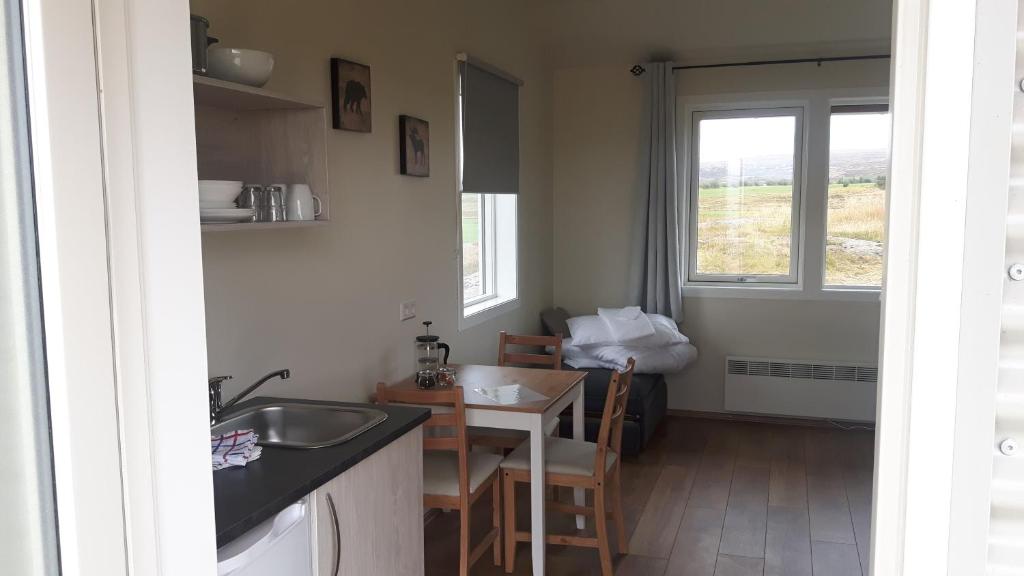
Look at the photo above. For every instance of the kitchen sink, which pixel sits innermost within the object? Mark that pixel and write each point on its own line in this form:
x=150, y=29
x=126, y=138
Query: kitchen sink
x=301, y=425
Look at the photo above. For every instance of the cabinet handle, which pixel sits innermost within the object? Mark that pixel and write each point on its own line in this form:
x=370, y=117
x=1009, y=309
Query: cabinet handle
x=337, y=533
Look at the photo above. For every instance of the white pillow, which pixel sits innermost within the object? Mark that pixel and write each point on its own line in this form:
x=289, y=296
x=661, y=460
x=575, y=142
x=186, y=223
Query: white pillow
x=666, y=332
x=593, y=331
x=589, y=331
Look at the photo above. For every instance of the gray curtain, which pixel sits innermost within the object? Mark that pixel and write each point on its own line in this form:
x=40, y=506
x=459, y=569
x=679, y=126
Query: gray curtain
x=657, y=279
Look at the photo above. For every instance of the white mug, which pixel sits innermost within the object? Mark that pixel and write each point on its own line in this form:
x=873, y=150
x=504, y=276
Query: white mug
x=302, y=205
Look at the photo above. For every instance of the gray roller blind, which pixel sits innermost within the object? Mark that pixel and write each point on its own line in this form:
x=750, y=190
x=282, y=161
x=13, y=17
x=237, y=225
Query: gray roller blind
x=490, y=130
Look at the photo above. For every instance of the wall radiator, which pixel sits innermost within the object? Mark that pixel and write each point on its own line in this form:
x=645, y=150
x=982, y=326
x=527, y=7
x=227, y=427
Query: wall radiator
x=830, y=390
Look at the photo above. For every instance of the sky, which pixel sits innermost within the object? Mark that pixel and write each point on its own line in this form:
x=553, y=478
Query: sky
x=734, y=138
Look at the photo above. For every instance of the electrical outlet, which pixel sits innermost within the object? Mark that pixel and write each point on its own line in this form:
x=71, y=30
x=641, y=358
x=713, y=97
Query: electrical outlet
x=407, y=310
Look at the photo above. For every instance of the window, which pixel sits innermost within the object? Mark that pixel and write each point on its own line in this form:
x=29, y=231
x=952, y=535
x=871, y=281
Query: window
x=855, y=222
x=477, y=261
x=745, y=196
x=488, y=154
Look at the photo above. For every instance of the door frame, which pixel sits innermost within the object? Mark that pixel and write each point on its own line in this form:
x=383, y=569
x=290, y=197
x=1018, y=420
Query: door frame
x=123, y=288
x=952, y=104
x=121, y=267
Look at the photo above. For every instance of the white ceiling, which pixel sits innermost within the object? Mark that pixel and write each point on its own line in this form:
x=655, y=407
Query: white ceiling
x=595, y=32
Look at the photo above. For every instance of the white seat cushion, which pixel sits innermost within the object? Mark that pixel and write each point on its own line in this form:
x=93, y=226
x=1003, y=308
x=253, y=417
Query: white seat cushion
x=441, y=471
x=561, y=456
x=549, y=429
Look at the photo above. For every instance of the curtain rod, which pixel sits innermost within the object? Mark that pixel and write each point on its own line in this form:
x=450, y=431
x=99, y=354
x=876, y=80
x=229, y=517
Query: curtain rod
x=637, y=70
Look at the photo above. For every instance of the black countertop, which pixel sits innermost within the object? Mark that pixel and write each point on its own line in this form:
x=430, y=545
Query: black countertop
x=246, y=496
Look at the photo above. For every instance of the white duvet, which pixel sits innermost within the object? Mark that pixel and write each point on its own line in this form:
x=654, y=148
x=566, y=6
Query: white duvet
x=591, y=345
x=649, y=360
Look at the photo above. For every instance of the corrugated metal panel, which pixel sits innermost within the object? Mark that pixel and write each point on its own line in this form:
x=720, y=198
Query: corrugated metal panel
x=1006, y=531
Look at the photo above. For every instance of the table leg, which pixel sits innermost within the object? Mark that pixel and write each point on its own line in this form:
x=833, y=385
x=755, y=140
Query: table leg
x=579, y=495
x=538, y=530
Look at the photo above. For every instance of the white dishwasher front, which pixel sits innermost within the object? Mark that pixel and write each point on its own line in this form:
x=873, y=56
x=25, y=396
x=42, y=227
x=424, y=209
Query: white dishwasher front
x=280, y=545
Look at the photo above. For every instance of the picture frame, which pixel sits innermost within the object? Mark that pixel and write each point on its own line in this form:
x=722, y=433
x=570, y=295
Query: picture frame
x=414, y=146
x=351, y=96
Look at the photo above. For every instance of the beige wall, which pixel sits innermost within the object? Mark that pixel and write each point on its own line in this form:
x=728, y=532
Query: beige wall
x=603, y=32
x=597, y=141
x=324, y=302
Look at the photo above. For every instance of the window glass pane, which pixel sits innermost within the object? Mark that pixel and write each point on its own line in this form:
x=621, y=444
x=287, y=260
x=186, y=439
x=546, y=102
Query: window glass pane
x=857, y=169
x=472, y=247
x=745, y=196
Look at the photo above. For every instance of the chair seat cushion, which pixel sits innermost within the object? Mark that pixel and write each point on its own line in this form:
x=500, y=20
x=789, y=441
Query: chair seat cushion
x=561, y=456
x=441, y=471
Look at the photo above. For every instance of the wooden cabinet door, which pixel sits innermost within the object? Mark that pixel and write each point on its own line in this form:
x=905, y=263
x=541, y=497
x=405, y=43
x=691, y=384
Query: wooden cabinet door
x=369, y=520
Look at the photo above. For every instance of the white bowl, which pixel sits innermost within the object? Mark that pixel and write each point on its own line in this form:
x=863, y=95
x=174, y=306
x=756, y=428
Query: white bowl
x=220, y=191
x=250, y=67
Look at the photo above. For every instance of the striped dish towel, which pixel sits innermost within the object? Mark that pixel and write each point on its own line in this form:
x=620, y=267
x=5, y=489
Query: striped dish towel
x=236, y=448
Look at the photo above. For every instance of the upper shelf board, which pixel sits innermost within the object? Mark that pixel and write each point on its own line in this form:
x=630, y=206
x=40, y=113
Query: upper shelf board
x=222, y=94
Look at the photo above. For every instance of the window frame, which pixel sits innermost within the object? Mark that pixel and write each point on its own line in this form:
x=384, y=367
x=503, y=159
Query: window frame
x=868, y=105
x=794, y=279
x=501, y=293
x=488, y=262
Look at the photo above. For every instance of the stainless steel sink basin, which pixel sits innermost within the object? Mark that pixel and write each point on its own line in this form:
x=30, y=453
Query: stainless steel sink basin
x=302, y=425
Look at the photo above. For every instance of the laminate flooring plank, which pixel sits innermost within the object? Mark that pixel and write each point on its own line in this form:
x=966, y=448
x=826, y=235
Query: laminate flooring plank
x=638, y=483
x=788, y=542
x=788, y=486
x=829, y=510
x=714, y=478
x=743, y=533
x=697, y=542
x=739, y=566
x=831, y=559
x=655, y=532
x=753, y=445
x=634, y=565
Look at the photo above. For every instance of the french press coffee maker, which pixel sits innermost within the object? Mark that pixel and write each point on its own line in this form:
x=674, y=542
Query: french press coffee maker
x=428, y=360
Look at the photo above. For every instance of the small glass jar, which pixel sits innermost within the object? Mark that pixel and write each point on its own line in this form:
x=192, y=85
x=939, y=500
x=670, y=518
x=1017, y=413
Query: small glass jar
x=446, y=376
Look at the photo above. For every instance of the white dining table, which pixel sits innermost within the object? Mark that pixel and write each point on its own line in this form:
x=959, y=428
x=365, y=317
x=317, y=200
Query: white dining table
x=547, y=393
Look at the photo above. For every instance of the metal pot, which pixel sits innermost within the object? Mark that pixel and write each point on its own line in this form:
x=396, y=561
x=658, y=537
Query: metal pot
x=200, y=42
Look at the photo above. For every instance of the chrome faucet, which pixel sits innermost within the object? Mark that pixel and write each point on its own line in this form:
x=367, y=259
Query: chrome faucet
x=217, y=407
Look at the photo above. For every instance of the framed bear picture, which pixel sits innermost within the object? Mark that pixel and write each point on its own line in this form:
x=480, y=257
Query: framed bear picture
x=350, y=96
x=414, y=147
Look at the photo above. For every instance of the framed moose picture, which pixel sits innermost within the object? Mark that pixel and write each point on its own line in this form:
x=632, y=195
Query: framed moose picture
x=350, y=96
x=414, y=150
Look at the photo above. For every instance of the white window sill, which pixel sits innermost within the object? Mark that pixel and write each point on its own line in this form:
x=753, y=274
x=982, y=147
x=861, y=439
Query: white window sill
x=777, y=292
x=483, y=311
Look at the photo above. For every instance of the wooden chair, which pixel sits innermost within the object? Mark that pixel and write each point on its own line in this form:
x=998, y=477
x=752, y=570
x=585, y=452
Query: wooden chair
x=454, y=478
x=508, y=440
x=578, y=464
x=552, y=361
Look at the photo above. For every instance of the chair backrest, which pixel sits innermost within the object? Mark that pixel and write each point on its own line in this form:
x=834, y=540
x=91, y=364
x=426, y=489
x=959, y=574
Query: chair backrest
x=551, y=361
x=447, y=430
x=609, y=437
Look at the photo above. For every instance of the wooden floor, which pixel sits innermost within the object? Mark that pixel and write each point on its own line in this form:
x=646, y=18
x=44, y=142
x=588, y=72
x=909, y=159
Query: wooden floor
x=717, y=498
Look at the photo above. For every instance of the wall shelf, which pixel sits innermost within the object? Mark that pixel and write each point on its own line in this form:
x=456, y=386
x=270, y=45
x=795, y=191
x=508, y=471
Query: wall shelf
x=240, y=226
x=223, y=94
x=258, y=136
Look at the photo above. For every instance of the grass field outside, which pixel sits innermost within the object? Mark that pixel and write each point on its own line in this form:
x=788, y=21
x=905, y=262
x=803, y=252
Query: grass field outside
x=747, y=231
x=471, y=280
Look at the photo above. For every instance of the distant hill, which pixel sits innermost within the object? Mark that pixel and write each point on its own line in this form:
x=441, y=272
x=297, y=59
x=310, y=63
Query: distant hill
x=776, y=169
x=858, y=164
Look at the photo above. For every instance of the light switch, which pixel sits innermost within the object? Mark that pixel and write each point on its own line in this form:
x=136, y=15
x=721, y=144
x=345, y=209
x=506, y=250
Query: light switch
x=407, y=310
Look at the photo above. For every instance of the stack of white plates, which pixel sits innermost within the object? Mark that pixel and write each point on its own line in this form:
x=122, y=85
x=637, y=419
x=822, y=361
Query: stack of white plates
x=217, y=201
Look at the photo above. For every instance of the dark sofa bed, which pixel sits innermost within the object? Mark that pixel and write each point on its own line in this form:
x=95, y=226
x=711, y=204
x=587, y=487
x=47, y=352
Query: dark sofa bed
x=647, y=405
x=648, y=397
